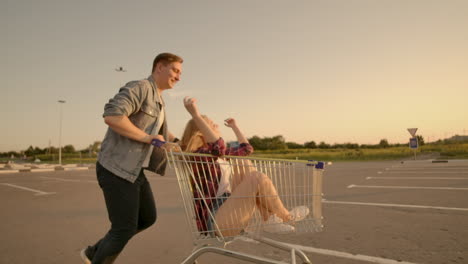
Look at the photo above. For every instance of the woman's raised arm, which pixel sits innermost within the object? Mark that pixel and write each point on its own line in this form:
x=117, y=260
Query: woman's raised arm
x=206, y=130
x=231, y=122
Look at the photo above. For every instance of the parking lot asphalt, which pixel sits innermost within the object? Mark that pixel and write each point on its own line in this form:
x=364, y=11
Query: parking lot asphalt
x=375, y=212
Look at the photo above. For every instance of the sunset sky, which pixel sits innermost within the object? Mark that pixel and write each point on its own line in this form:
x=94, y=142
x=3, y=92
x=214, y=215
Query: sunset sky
x=335, y=71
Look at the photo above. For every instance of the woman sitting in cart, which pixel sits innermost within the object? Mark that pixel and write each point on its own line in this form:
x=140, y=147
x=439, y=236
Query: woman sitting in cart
x=231, y=194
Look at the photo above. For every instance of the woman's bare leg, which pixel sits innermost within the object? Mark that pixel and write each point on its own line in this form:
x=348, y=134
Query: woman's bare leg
x=240, y=168
x=263, y=211
x=268, y=198
x=251, y=189
x=235, y=213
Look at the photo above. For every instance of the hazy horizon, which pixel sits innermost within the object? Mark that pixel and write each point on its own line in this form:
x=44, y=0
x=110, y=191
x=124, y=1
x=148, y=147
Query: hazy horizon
x=317, y=142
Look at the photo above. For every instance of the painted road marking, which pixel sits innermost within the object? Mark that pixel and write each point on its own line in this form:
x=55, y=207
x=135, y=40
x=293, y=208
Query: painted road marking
x=398, y=205
x=68, y=180
x=429, y=169
x=27, y=189
x=341, y=254
x=42, y=170
x=426, y=168
x=75, y=168
x=427, y=172
x=417, y=178
x=407, y=187
x=158, y=178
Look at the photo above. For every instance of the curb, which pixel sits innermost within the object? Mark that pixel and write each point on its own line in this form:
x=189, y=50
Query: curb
x=46, y=169
x=8, y=171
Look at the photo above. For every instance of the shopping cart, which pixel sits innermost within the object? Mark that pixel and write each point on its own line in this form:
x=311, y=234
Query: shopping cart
x=298, y=184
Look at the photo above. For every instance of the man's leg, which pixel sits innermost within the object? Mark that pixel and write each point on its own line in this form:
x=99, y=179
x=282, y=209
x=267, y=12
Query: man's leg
x=147, y=213
x=122, y=202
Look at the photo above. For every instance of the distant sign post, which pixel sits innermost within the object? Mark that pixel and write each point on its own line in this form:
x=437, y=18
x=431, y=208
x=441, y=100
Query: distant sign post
x=413, y=141
x=412, y=131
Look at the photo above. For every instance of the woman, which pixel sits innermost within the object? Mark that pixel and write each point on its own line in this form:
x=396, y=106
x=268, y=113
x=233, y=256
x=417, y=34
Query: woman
x=231, y=199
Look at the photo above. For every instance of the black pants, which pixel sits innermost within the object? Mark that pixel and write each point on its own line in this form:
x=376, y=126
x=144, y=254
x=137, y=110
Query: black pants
x=131, y=209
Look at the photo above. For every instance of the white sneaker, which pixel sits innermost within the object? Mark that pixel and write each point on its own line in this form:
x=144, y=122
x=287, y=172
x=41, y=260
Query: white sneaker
x=299, y=213
x=274, y=224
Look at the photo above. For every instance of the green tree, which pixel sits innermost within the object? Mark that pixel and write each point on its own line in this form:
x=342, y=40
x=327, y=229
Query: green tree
x=267, y=143
x=257, y=143
x=32, y=151
x=384, y=143
x=276, y=142
x=13, y=153
x=351, y=145
x=38, y=151
x=29, y=152
x=69, y=149
x=310, y=144
x=53, y=150
x=420, y=140
x=323, y=145
x=95, y=147
x=294, y=145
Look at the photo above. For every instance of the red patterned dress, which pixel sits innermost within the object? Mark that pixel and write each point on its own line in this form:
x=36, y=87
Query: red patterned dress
x=207, y=172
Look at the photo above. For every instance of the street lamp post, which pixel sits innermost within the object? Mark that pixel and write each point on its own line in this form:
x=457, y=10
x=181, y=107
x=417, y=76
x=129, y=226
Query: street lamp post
x=61, y=102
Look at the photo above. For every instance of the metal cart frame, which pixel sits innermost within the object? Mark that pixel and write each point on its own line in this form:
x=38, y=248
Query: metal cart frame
x=297, y=183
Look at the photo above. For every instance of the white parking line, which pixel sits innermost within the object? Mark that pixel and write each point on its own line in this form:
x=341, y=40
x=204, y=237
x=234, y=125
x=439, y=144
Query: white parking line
x=158, y=178
x=416, y=178
x=427, y=169
x=27, y=189
x=341, y=254
x=427, y=172
x=397, y=205
x=68, y=180
x=407, y=187
x=43, y=170
x=75, y=168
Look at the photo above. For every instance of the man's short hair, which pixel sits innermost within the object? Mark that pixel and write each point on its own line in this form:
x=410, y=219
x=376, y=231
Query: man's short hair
x=166, y=58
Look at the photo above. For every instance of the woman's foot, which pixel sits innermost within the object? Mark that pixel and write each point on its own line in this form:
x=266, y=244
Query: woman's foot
x=274, y=224
x=299, y=213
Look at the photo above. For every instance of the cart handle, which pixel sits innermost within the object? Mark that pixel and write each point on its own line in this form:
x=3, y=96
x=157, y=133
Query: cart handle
x=158, y=143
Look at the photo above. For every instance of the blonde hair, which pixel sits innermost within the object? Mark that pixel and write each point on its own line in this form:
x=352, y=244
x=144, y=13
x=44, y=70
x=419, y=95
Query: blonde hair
x=192, y=139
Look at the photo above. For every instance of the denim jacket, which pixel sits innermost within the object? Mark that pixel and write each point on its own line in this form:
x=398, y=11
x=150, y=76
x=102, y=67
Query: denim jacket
x=123, y=156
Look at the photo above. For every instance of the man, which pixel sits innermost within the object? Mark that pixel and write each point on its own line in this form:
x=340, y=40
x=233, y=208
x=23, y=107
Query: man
x=135, y=117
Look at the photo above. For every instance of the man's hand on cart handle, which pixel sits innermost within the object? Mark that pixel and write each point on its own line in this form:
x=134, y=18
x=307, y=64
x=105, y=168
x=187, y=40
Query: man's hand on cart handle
x=165, y=145
x=149, y=138
x=157, y=142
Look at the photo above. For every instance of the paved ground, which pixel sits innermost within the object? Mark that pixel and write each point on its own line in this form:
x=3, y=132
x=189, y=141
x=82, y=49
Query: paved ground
x=378, y=212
